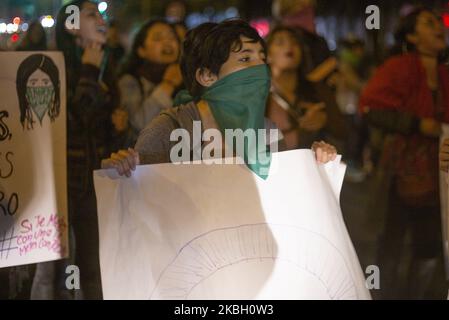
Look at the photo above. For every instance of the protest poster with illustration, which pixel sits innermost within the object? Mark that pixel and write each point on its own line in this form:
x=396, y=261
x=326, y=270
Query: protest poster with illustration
x=198, y=231
x=33, y=196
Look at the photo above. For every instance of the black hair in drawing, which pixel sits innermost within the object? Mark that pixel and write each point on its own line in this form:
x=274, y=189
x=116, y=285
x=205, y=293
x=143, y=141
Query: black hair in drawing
x=25, y=70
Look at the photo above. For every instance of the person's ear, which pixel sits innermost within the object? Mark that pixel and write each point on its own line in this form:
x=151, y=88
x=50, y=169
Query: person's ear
x=205, y=77
x=412, y=38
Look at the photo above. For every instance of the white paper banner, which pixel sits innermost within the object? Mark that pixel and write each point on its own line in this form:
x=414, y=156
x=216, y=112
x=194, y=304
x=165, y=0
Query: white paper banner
x=200, y=231
x=33, y=204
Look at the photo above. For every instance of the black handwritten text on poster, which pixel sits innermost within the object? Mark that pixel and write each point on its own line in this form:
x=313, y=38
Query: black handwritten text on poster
x=12, y=204
x=4, y=130
x=6, y=173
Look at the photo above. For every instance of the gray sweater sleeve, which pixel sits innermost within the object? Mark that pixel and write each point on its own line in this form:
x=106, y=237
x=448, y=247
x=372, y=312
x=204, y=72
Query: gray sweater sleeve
x=153, y=144
x=141, y=109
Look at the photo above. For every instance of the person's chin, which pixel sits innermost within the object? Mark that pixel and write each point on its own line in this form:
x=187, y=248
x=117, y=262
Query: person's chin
x=100, y=39
x=168, y=60
x=290, y=67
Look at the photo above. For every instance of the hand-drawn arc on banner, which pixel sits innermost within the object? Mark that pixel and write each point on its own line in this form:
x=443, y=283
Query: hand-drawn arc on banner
x=204, y=255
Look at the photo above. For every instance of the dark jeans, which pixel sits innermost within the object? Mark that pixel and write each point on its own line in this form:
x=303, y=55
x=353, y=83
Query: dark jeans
x=411, y=255
x=83, y=218
x=356, y=140
x=16, y=282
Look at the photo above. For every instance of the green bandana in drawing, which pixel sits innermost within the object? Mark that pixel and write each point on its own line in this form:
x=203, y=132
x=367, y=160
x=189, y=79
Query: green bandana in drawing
x=39, y=99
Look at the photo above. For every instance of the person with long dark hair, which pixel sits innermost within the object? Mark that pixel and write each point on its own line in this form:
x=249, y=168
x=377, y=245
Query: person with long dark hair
x=175, y=13
x=90, y=100
x=35, y=39
x=305, y=111
x=150, y=76
x=407, y=99
x=293, y=105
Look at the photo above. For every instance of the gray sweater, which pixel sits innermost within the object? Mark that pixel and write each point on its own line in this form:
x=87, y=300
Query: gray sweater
x=154, y=145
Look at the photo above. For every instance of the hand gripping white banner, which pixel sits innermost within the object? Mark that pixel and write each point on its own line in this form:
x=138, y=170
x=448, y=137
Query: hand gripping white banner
x=200, y=231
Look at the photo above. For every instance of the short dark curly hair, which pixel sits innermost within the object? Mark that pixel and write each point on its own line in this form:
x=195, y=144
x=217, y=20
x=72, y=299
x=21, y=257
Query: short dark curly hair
x=209, y=45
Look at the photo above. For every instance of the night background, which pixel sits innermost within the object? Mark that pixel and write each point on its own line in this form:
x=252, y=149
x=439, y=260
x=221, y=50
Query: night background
x=335, y=19
x=337, y=62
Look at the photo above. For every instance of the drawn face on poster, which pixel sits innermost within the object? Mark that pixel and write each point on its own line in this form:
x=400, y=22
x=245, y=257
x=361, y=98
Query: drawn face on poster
x=38, y=89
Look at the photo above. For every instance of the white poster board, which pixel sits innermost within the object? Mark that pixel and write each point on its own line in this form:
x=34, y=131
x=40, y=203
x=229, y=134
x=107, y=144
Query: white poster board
x=33, y=196
x=198, y=231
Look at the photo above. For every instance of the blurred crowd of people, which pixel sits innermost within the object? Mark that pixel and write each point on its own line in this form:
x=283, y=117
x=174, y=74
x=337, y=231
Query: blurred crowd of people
x=385, y=119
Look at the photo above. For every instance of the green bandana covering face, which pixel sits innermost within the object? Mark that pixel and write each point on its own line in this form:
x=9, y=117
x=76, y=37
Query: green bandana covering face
x=39, y=99
x=238, y=101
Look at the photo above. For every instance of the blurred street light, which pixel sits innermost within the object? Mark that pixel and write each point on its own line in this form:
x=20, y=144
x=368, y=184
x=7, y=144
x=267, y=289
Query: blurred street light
x=102, y=6
x=47, y=22
x=3, y=27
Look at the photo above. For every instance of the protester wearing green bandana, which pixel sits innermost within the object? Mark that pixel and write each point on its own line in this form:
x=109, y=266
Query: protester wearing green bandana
x=228, y=83
x=236, y=101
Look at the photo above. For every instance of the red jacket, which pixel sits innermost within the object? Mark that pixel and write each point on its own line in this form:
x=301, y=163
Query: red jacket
x=401, y=84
